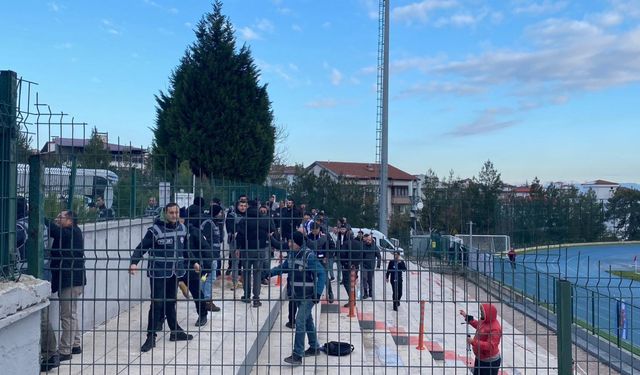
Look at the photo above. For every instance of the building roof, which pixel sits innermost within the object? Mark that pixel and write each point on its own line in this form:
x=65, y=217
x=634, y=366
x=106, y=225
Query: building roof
x=362, y=171
x=522, y=189
x=81, y=143
x=602, y=182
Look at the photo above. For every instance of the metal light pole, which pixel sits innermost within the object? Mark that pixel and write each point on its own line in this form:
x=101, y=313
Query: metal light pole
x=384, y=129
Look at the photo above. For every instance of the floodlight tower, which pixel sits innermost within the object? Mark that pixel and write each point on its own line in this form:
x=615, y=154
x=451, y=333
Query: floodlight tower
x=382, y=117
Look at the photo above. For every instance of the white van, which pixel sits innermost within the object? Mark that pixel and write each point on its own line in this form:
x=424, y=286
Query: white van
x=89, y=183
x=383, y=242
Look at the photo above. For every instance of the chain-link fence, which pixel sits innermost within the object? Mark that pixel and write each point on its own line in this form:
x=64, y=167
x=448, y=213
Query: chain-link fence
x=251, y=284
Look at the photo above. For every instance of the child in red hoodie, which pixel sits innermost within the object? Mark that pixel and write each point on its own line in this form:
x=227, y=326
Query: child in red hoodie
x=486, y=342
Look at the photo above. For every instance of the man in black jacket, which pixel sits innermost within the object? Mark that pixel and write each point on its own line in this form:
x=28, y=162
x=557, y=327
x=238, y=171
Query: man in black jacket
x=370, y=253
x=68, y=278
x=290, y=218
x=253, y=242
x=233, y=219
x=203, y=256
x=170, y=247
x=323, y=246
x=394, y=274
x=211, y=232
x=350, y=253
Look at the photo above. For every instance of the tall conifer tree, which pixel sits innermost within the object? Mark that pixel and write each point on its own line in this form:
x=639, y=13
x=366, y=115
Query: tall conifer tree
x=216, y=114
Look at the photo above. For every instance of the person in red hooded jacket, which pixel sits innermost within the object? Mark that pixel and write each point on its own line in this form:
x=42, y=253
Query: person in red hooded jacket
x=486, y=342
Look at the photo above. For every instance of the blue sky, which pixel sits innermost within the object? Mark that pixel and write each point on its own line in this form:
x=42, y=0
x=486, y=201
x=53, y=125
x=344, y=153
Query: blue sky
x=541, y=87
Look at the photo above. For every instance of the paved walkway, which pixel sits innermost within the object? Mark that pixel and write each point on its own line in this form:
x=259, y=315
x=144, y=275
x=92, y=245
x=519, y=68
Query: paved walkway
x=385, y=341
x=219, y=347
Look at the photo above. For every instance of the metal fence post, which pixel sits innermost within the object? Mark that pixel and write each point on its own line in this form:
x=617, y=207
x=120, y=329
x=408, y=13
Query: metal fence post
x=132, y=200
x=593, y=312
x=564, y=303
x=72, y=182
x=35, y=240
x=8, y=170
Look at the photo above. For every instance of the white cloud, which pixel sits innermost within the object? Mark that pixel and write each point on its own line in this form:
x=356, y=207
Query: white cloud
x=461, y=19
x=420, y=11
x=487, y=122
x=572, y=56
x=326, y=25
x=248, y=33
x=322, y=103
x=288, y=73
x=296, y=28
x=433, y=88
x=110, y=27
x=609, y=19
x=542, y=7
x=372, y=8
x=54, y=7
x=188, y=25
x=265, y=25
x=154, y=4
x=336, y=77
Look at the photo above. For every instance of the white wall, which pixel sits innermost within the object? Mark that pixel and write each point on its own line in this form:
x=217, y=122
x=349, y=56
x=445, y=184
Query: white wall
x=109, y=290
x=21, y=304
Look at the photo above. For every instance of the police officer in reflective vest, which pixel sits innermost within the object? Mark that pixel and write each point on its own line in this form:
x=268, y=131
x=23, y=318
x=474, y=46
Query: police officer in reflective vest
x=168, y=243
x=307, y=278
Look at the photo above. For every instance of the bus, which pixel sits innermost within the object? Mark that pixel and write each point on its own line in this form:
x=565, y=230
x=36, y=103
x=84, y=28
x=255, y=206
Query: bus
x=89, y=183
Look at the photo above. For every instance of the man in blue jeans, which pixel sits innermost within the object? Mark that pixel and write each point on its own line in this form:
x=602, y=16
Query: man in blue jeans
x=307, y=277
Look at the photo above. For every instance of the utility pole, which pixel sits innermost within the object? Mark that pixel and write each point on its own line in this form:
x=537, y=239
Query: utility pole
x=383, y=111
x=470, y=235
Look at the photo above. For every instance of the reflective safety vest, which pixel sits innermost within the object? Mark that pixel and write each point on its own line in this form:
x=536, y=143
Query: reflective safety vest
x=303, y=280
x=212, y=236
x=166, y=257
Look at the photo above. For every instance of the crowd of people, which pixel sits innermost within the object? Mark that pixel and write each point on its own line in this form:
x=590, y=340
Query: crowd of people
x=201, y=243
x=189, y=248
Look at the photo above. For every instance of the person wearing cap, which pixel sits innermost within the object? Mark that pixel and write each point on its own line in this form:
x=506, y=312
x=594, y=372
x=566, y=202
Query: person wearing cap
x=394, y=275
x=307, y=280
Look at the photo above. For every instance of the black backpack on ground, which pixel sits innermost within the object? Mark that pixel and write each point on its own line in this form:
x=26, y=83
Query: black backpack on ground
x=337, y=348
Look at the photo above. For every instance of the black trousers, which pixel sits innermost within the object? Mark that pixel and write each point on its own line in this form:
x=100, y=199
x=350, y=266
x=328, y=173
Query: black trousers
x=486, y=368
x=325, y=264
x=192, y=279
x=346, y=277
x=396, y=286
x=163, y=305
x=367, y=281
x=252, y=275
x=293, y=309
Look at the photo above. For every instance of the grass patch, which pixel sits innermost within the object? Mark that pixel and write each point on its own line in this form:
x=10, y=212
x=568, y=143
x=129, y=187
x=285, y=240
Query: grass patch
x=631, y=275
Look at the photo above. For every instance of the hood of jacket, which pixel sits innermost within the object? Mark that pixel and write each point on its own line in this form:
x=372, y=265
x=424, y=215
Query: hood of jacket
x=490, y=312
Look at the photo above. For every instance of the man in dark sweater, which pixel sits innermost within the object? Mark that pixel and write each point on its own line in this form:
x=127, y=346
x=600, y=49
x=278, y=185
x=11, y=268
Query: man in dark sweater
x=68, y=278
x=394, y=275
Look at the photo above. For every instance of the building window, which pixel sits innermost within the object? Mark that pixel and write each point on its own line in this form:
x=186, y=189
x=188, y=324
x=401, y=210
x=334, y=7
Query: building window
x=400, y=191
